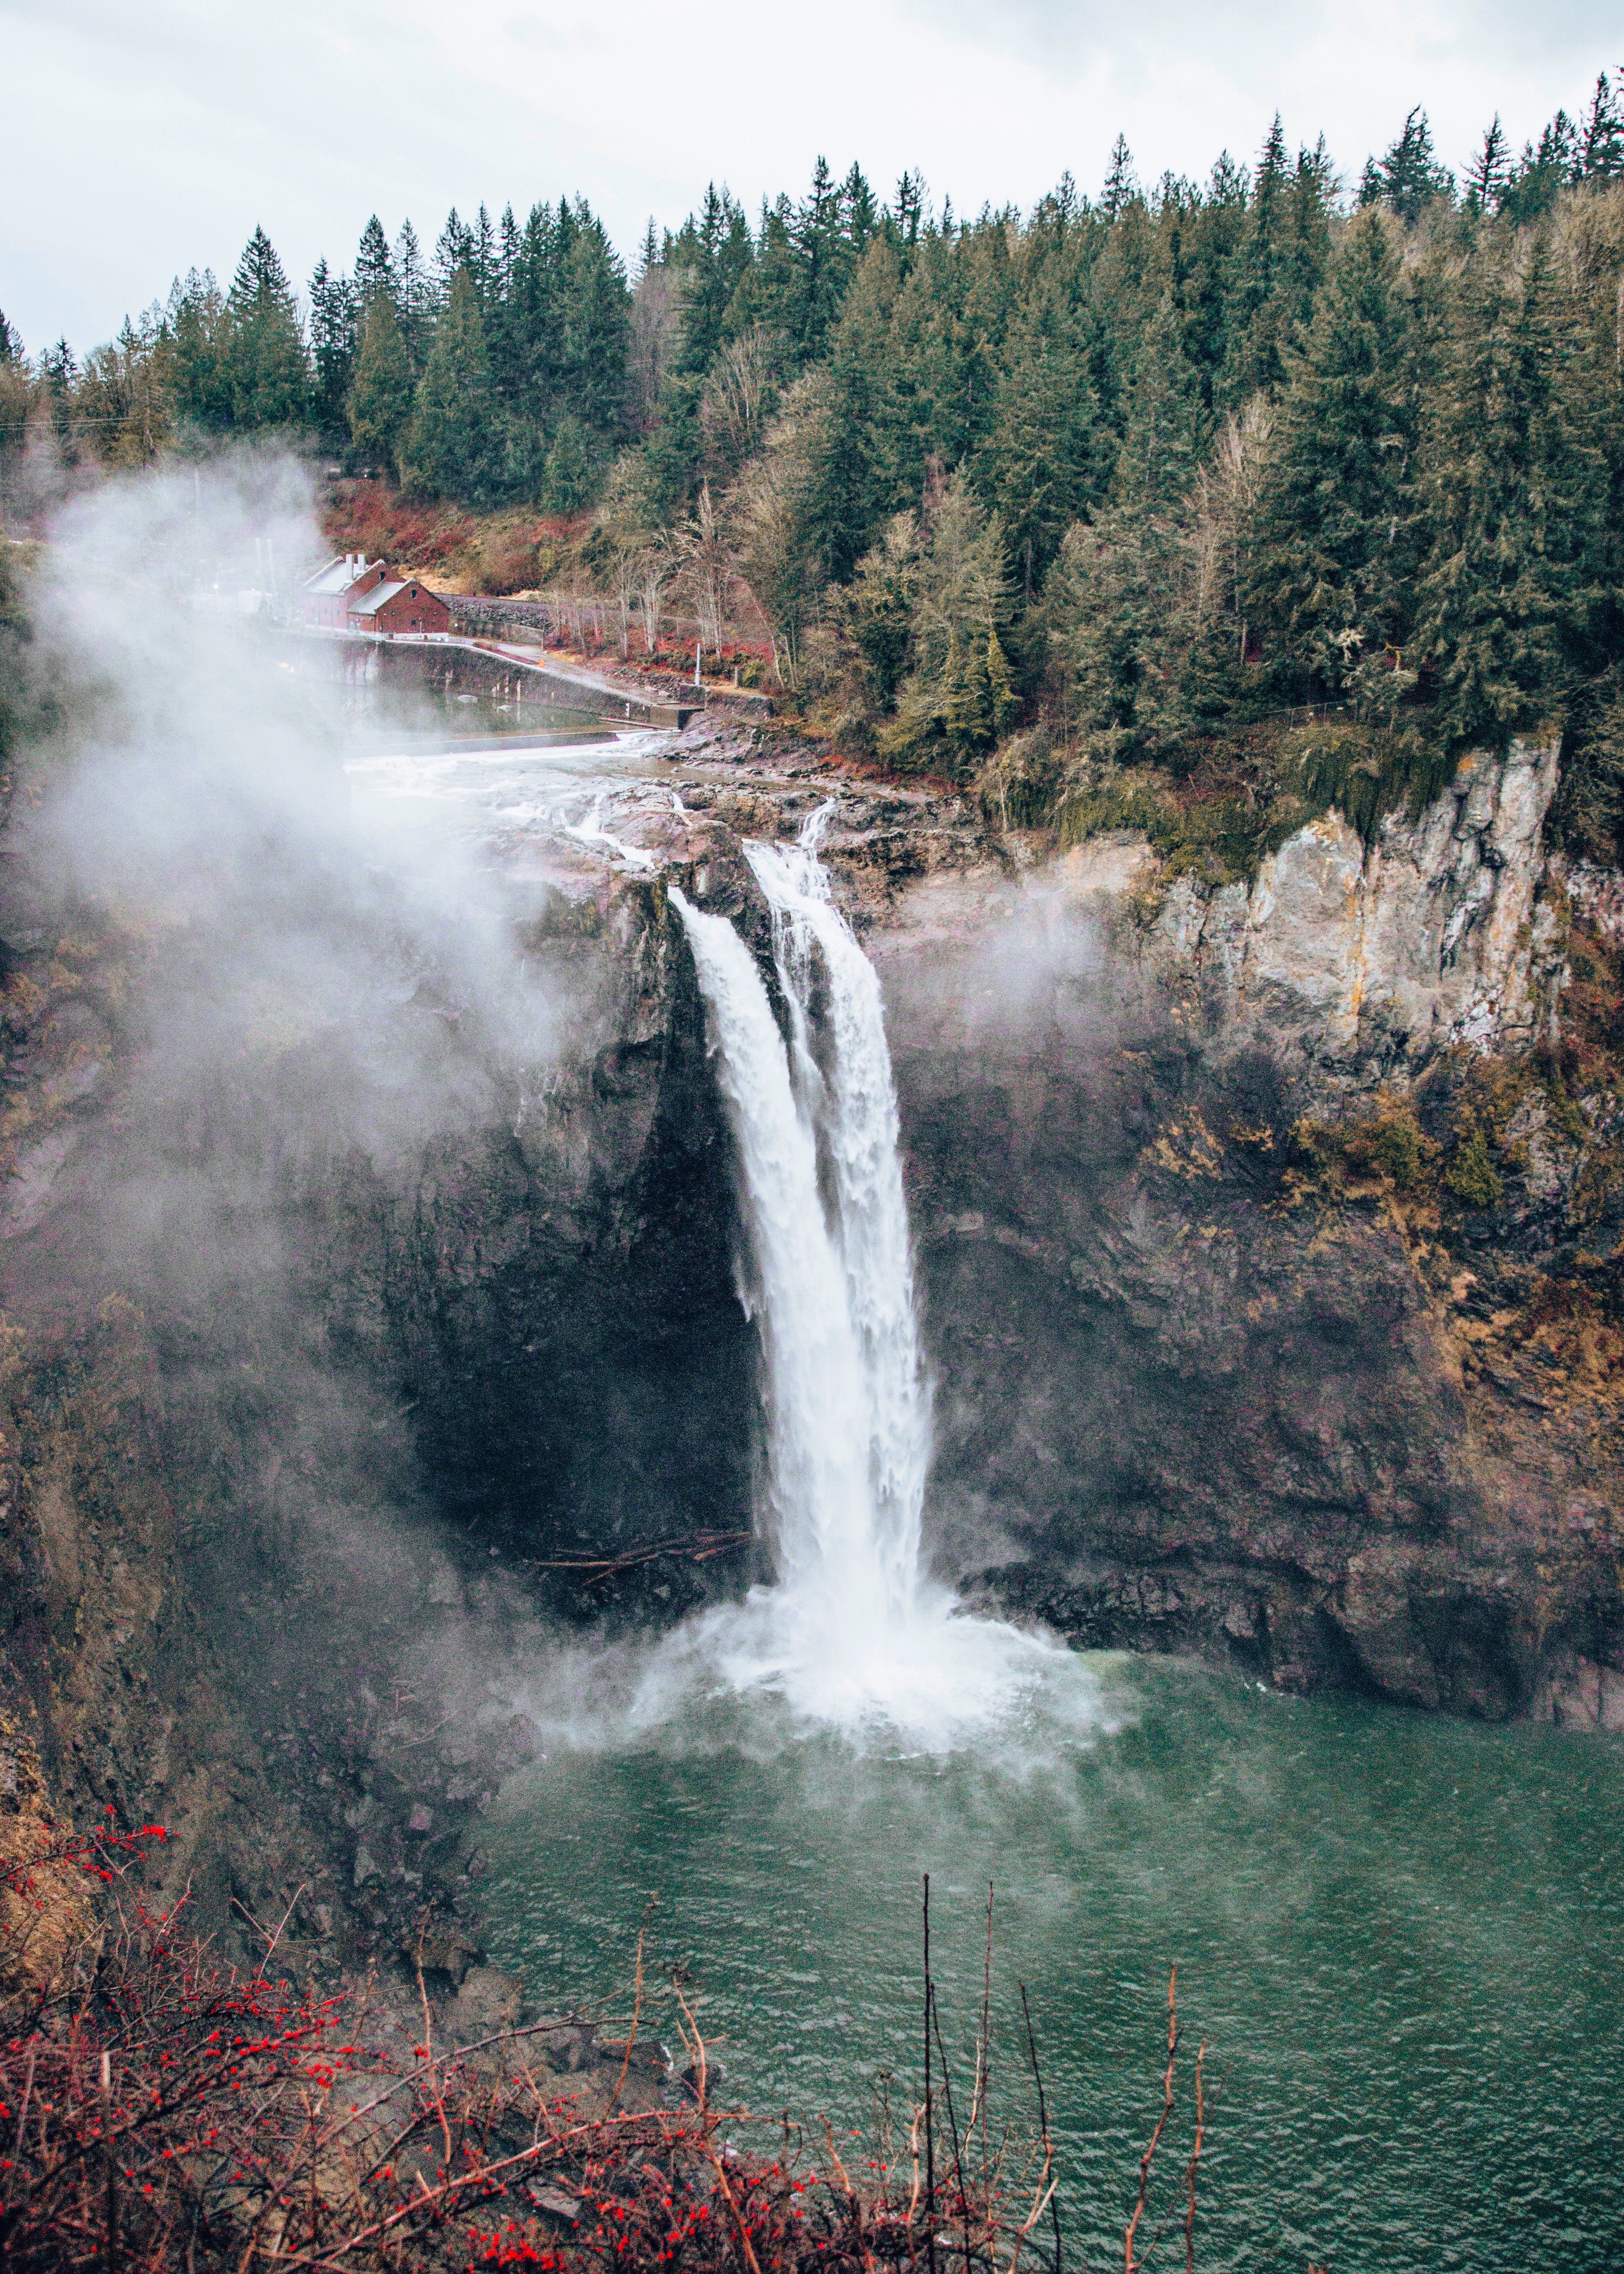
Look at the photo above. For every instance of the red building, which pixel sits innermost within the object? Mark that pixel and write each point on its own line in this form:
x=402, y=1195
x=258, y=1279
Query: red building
x=403, y=606
x=351, y=594
x=324, y=597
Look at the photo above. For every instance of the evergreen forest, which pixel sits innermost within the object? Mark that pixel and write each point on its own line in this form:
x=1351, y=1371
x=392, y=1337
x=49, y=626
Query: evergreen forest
x=1075, y=504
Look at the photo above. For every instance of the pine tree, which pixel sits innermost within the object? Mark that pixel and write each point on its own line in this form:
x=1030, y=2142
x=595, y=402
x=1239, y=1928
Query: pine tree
x=1515, y=500
x=452, y=448
x=333, y=348
x=380, y=399
x=268, y=371
x=1333, y=544
x=374, y=277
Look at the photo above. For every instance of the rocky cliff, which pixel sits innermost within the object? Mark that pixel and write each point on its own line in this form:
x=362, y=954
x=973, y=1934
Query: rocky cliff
x=1268, y=1258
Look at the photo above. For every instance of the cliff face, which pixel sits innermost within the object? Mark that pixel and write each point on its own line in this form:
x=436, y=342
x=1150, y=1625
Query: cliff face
x=1194, y=1390
x=1358, y=963
x=295, y=1384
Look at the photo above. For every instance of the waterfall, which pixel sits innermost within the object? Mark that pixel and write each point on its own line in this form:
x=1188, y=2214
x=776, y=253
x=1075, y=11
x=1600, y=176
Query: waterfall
x=829, y=1283
x=851, y=1635
x=851, y=1104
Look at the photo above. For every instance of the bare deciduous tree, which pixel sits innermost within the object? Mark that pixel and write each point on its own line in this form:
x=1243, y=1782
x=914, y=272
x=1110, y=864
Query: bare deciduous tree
x=737, y=398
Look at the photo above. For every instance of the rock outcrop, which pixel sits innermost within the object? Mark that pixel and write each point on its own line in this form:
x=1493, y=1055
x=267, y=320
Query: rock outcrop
x=1359, y=962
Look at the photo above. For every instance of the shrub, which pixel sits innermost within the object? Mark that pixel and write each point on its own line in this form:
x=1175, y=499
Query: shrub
x=1388, y=1143
x=163, y=2110
x=1470, y=1175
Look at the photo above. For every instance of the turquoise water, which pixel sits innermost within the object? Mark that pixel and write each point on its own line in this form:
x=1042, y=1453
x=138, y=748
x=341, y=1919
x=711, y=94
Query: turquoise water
x=1402, y=1935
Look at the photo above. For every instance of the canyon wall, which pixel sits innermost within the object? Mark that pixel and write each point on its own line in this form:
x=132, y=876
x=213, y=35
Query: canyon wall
x=1194, y=1392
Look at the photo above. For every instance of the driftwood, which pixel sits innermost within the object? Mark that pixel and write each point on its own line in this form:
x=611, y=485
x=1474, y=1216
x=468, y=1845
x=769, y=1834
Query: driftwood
x=589, y=1564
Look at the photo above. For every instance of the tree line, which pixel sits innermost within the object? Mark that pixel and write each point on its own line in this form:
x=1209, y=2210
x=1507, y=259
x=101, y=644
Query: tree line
x=1142, y=466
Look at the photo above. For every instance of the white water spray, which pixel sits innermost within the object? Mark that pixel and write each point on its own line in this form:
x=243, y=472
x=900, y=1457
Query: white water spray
x=853, y=1634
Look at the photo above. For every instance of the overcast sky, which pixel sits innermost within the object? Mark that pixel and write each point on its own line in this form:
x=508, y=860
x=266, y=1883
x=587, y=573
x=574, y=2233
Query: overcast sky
x=142, y=140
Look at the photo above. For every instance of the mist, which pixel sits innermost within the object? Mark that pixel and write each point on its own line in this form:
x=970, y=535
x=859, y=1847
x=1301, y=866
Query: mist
x=268, y=1025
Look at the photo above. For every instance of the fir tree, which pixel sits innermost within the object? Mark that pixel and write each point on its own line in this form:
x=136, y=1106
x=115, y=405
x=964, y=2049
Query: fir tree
x=1410, y=174
x=568, y=477
x=1545, y=171
x=1489, y=171
x=958, y=698
x=859, y=216
x=1038, y=457
x=1334, y=538
x=269, y=375
x=374, y=277
x=199, y=331
x=909, y=214
x=413, y=293
x=452, y=447
x=823, y=258
x=59, y=368
x=1120, y=186
x=333, y=348
x=594, y=310
x=454, y=250
x=1515, y=505
x=381, y=400
x=1601, y=151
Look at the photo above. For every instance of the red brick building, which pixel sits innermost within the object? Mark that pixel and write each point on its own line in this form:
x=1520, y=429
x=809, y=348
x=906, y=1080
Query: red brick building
x=351, y=594
x=403, y=606
x=324, y=597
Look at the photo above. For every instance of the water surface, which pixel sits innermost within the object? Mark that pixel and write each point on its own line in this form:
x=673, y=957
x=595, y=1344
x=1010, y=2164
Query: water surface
x=1402, y=1934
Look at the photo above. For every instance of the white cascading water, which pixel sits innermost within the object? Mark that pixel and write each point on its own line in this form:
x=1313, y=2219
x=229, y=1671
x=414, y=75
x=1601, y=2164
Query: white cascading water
x=853, y=1634
x=831, y=1293
x=852, y=1108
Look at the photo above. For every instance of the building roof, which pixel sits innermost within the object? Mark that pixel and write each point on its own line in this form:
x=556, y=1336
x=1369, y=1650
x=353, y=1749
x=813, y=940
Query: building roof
x=370, y=602
x=335, y=576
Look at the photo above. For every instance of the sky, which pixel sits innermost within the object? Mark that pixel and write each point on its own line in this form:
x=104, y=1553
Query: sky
x=143, y=141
